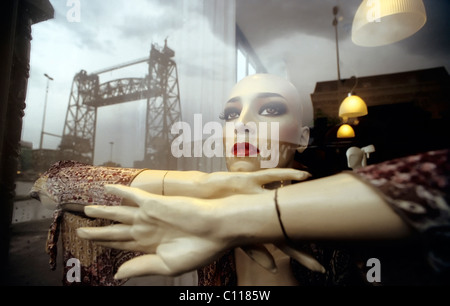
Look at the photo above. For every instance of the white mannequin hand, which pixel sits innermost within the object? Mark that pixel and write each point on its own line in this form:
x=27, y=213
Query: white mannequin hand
x=222, y=184
x=163, y=228
x=179, y=234
x=213, y=185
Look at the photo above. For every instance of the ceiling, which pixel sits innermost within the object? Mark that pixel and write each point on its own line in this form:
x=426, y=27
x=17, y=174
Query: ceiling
x=264, y=20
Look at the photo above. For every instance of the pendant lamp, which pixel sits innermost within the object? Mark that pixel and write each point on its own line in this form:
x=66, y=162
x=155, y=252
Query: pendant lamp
x=345, y=131
x=352, y=106
x=382, y=22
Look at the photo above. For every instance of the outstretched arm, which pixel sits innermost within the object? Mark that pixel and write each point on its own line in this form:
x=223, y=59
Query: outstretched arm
x=72, y=185
x=180, y=234
x=212, y=185
x=338, y=207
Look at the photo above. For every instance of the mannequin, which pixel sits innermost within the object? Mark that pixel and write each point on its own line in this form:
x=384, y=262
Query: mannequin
x=257, y=98
x=357, y=157
x=341, y=207
x=240, y=210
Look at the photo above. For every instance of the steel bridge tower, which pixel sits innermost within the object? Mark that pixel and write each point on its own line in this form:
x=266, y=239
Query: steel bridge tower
x=161, y=90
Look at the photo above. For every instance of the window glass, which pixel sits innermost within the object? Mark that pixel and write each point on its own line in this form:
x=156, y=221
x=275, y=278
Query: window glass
x=134, y=83
x=241, y=65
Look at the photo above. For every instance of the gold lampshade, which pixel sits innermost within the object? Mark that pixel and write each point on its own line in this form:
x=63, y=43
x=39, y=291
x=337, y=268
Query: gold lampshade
x=345, y=131
x=352, y=107
x=382, y=22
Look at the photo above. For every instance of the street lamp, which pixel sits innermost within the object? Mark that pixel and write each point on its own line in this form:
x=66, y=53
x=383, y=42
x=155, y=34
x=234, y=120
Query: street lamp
x=335, y=24
x=110, y=155
x=45, y=109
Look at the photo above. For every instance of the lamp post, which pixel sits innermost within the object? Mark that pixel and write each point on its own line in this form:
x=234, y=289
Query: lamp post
x=45, y=109
x=110, y=154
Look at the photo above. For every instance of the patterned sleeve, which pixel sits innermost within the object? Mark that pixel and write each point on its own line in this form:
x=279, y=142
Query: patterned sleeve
x=417, y=188
x=73, y=185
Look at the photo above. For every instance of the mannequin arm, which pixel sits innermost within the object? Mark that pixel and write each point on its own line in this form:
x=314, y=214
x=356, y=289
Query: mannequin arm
x=72, y=185
x=212, y=185
x=337, y=208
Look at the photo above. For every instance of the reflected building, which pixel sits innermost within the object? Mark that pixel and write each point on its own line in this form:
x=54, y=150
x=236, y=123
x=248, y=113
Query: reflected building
x=408, y=112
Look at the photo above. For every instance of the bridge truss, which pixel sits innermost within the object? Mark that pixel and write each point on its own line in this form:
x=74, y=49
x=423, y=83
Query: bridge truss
x=161, y=90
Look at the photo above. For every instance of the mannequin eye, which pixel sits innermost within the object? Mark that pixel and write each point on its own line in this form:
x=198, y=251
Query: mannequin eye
x=230, y=113
x=273, y=109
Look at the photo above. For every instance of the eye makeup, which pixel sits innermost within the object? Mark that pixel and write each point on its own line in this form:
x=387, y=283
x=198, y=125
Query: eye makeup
x=273, y=109
x=230, y=113
x=269, y=104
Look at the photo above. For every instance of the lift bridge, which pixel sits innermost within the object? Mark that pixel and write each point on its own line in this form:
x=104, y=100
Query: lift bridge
x=161, y=90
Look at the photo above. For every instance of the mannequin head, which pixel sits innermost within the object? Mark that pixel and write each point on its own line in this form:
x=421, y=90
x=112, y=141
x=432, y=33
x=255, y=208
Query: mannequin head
x=263, y=116
x=355, y=158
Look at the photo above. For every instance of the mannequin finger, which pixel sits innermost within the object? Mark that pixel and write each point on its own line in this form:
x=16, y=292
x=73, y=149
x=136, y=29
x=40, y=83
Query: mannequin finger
x=119, y=232
x=143, y=265
x=281, y=174
x=154, y=204
x=132, y=246
x=303, y=258
x=133, y=194
x=122, y=214
x=262, y=256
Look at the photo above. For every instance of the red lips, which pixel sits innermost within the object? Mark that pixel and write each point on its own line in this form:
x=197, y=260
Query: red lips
x=244, y=149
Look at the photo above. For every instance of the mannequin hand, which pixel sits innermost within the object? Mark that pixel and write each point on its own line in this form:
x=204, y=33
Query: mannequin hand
x=176, y=233
x=221, y=184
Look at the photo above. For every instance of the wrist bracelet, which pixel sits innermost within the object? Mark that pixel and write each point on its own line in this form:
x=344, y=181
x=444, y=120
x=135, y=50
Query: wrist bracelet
x=162, y=189
x=288, y=240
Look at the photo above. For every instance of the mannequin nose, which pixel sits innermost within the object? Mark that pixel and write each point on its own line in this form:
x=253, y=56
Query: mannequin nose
x=246, y=115
x=244, y=128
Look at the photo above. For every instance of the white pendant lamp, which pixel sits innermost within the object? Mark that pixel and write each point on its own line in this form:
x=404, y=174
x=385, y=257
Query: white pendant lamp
x=382, y=22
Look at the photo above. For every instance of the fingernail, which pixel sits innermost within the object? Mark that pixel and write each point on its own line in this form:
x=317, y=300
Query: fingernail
x=89, y=209
x=81, y=233
x=119, y=275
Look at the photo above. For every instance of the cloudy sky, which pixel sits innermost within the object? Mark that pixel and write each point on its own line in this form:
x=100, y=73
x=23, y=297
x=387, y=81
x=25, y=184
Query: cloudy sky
x=109, y=34
x=299, y=45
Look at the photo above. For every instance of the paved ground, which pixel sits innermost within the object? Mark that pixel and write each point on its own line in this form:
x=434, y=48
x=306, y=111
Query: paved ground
x=28, y=262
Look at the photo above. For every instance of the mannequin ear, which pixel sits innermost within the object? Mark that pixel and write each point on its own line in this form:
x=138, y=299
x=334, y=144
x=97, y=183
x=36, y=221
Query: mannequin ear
x=303, y=139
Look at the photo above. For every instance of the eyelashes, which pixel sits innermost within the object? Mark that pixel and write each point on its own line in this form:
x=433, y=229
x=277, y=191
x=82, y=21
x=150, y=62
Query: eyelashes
x=230, y=113
x=271, y=109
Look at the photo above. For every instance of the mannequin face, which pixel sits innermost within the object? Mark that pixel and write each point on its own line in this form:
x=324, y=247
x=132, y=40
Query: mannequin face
x=263, y=124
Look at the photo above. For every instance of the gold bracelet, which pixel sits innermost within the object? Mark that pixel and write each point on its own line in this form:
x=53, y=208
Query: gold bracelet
x=162, y=189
